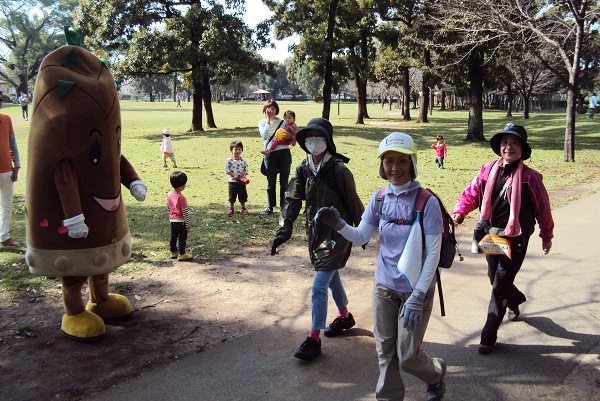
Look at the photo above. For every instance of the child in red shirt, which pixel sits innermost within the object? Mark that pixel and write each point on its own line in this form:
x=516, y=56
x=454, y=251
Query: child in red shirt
x=440, y=151
x=179, y=216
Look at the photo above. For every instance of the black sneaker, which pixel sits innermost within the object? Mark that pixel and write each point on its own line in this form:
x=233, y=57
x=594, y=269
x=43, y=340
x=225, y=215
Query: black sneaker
x=309, y=349
x=267, y=210
x=339, y=325
x=436, y=392
x=485, y=349
x=513, y=314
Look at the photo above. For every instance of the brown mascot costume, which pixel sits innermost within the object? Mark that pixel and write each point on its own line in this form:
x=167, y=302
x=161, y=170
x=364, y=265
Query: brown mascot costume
x=76, y=221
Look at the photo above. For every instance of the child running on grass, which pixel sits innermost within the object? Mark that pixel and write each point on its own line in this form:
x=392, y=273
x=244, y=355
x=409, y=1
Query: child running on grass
x=441, y=152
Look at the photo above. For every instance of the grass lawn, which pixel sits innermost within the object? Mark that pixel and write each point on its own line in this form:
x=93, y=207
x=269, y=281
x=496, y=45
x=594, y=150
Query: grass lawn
x=202, y=156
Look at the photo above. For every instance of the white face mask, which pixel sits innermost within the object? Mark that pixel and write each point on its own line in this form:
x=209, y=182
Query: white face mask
x=315, y=145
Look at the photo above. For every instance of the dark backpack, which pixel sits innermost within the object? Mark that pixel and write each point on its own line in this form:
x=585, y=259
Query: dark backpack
x=449, y=244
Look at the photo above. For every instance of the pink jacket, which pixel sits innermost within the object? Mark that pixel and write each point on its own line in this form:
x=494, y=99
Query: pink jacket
x=470, y=198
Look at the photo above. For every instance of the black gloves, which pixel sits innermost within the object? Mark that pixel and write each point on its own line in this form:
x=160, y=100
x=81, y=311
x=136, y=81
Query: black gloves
x=283, y=234
x=331, y=217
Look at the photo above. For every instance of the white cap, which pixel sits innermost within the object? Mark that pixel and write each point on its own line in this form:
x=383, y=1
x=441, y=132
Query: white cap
x=166, y=132
x=397, y=142
x=401, y=143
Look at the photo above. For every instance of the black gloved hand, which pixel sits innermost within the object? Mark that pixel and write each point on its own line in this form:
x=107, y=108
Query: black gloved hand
x=331, y=217
x=283, y=234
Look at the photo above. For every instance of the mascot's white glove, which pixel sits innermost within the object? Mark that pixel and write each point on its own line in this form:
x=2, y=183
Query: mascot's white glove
x=138, y=190
x=76, y=226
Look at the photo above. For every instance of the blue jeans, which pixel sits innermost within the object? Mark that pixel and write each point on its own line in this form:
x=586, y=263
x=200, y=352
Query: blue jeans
x=324, y=280
x=278, y=162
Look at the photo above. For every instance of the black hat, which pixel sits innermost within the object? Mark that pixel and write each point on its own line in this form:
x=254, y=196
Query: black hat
x=324, y=126
x=512, y=129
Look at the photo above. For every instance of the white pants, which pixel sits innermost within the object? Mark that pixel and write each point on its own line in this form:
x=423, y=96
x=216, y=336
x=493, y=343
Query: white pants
x=6, y=203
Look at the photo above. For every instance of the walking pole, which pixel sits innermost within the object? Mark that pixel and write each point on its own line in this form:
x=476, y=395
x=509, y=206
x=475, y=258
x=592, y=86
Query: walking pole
x=439, y=283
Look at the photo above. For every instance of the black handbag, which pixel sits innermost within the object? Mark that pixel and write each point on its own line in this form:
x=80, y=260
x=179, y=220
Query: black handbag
x=263, y=168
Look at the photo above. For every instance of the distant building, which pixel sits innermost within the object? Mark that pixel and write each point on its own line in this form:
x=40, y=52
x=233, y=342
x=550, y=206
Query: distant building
x=7, y=89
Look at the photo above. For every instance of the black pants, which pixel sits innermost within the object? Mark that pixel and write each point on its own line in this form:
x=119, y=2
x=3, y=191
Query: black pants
x=237, y=190
x=278, y=162
x=502, y=272
x=178, y=237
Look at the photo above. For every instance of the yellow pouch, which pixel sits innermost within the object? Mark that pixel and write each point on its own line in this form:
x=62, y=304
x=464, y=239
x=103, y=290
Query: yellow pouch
x=492, y=244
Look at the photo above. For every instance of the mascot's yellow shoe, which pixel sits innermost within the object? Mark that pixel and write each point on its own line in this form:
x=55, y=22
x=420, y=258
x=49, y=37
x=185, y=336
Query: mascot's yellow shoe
x=116, y=307
x=85, y=326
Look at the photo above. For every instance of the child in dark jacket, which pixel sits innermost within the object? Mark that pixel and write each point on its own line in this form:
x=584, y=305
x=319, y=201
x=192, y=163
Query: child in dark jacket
x=322, y=179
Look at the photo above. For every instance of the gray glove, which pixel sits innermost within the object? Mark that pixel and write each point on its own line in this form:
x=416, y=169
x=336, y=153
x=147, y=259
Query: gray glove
x=412, y=310
x=331, y=217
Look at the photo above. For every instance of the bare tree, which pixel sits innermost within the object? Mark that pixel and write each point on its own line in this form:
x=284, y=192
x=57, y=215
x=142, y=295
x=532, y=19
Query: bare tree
x=548, y=29
x=530, y=77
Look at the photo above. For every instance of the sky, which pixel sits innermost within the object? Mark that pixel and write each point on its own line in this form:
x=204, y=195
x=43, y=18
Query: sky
x=256, y=12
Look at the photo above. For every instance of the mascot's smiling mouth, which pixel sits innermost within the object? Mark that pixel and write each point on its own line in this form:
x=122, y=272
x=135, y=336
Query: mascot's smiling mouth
x=110, y=205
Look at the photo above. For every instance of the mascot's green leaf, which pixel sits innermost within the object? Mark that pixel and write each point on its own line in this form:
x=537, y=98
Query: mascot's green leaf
x=64, y=87
x=73, y=37
x=69, y=61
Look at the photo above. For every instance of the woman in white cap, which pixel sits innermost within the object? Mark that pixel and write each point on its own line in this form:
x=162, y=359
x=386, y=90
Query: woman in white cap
x=401, y=308
x=511, y=197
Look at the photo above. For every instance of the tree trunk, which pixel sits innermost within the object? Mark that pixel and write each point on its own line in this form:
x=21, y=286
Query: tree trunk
x=526, y=106
x=197, y=108
x=207, y=98
x=174, y=86
x=360, y=119
x=431, y=101
x=362, y=94
x=475, y=128
x=363, y=76
x=509, y=100
x=443, y=102
x=424, y=100
x=569, y=151
x=406, y=90
x=328, y=78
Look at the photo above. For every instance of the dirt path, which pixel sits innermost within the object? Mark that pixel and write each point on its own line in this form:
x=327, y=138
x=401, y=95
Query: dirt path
x=180, y=308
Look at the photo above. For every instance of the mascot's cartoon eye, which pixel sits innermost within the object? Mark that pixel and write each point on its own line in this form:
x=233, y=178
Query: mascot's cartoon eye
x=119, y=147
x=95, y=154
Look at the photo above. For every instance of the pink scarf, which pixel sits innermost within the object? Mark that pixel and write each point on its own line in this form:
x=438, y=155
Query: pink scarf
x=513, y=228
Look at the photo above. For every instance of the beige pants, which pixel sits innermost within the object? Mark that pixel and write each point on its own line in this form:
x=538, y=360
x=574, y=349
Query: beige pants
x=398, y=348
x=170, y=156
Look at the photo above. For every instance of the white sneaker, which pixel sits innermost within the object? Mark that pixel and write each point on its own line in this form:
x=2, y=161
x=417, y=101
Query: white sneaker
x=513, y=314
